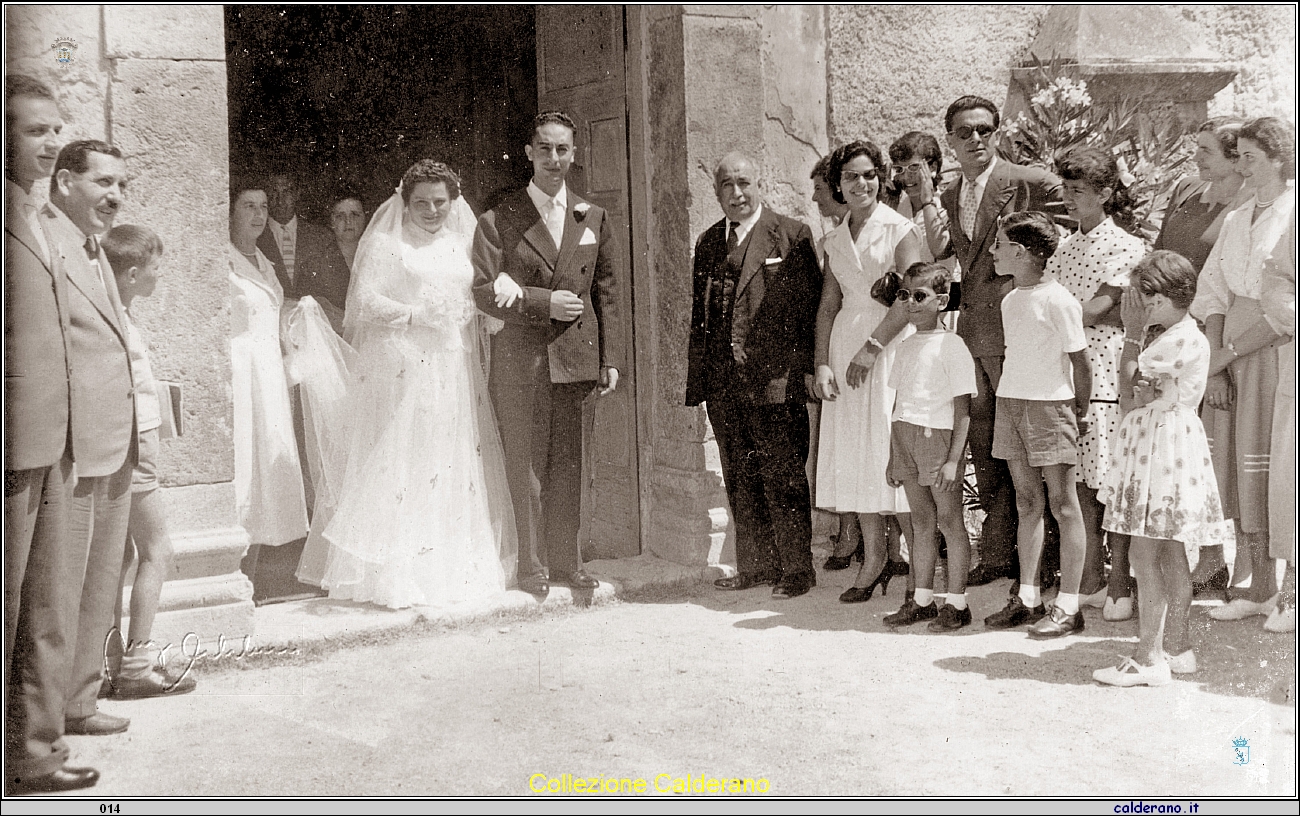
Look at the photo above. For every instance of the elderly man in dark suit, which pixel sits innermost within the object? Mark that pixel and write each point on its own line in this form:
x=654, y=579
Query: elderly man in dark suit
x=42, y=574
x=989, y=188
x=756, y=289
x=86, y=193
x=545, y=263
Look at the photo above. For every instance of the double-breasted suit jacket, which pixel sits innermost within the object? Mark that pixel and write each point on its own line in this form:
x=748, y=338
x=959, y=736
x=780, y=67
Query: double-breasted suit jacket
x=758, y=407
x=543, y=368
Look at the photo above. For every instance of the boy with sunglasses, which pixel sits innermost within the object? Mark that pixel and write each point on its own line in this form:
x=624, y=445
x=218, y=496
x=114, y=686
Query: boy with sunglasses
x=934, y=378
x=1043, y=395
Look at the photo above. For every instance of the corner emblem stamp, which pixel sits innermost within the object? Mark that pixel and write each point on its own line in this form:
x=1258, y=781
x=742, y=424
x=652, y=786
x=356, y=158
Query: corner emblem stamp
x=1241, y=749
x=64, y=49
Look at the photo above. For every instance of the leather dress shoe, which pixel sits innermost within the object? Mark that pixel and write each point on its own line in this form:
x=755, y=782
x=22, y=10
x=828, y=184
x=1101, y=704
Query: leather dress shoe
x=987, y=574
x=794, y=586
x=535, y=585
x=64, y=779
x=578, y=580
x=950, y=619
x=744, y=581
x=1014, y=614
x=910, y=613
x=153, y=684
x=838, y=562
x=96, y=725
x=1057, y=624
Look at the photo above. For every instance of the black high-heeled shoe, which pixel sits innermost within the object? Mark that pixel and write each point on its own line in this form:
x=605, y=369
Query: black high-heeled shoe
x=1216, y=583
x=856, y=594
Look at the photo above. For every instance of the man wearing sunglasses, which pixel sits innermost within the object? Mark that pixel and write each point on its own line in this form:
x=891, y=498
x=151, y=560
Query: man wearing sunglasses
x=989, y=188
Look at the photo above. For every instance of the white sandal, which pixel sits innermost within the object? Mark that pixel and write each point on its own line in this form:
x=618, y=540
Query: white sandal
x=1131, y=673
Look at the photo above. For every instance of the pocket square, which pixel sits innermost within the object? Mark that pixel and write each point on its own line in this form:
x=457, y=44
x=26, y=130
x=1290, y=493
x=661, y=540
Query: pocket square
x=588, y=237
x=771, y=261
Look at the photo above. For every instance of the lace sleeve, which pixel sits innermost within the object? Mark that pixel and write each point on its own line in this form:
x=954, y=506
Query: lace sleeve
x=375, y=297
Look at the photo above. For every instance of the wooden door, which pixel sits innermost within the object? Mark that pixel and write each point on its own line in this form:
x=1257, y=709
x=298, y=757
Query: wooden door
x=580, y=70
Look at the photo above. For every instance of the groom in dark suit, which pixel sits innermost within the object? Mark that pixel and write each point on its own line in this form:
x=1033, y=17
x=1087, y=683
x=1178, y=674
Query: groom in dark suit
x=545, y=263
x=756, y=290
x=989, y=188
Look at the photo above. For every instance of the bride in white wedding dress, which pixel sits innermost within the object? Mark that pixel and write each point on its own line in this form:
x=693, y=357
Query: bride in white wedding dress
x=413, y=507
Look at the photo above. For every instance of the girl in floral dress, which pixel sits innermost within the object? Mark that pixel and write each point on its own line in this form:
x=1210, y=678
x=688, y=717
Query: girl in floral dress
x=1160, y=488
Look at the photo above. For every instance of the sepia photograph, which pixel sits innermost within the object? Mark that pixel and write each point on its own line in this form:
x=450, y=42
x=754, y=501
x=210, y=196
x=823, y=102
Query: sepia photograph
x=534, y=405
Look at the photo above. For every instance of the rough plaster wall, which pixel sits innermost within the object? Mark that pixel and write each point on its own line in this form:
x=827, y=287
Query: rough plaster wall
x=896, y=68
x=1261, y=41
x=152, y=81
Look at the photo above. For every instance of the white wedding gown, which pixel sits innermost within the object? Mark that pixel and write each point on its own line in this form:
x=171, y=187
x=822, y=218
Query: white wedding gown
x=422, y=514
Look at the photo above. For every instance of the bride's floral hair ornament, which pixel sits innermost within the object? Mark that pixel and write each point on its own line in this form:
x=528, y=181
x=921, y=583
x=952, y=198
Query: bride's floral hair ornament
x=432, y=172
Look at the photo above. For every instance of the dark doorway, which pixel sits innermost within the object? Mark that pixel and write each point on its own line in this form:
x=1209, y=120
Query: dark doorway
x=356, y=94
x=349, y=97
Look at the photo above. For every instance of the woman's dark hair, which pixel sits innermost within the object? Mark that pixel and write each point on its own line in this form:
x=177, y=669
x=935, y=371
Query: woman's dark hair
x=243, y=184
x=847, y=153
x=921, y=145
x=1276, y=137
x=1166, y=273
x=1225, y=130
x=432, y=172
x=1098, y=167
x=1033, y=230
x=935, y=276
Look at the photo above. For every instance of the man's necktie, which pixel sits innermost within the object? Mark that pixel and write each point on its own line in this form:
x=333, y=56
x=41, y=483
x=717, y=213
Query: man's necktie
x=555, y=221
x=92, y=251
x=733, y=239
x=969, y=204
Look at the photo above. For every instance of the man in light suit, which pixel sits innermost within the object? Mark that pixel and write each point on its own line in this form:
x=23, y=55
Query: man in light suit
x=756, y=290
x=545, y=263
x=989, y=188
x=42, y=574
x=85, y=195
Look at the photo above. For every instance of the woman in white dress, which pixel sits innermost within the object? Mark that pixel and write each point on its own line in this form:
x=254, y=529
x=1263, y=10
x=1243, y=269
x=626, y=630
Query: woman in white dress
x=856, y=338
x=421, y=513
x=268, y=477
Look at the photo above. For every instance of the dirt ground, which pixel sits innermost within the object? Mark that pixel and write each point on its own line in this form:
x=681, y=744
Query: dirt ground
x=814, y=697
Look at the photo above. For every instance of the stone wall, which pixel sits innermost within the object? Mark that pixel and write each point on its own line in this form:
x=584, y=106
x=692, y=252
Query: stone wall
x=895, y=68
x=152, y=81
x=719, y=78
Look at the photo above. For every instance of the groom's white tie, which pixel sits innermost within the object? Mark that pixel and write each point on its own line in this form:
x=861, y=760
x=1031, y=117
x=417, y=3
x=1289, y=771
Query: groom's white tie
x=555, y=221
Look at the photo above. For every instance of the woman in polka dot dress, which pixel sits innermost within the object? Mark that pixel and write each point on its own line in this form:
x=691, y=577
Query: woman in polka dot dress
x=1160, y=489
x=1093, y=264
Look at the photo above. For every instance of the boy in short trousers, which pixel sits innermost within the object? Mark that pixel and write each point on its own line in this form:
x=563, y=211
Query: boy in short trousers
x=1042, y=398
x=933, y=378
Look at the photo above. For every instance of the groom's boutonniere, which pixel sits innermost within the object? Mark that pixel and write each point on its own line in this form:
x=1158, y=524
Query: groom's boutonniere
x=580, y=211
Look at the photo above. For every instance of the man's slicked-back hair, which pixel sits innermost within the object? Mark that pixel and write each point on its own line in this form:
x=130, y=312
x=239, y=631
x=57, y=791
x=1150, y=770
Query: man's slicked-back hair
x=75, y=156
x=966, y=103
x=23, y=85
x=553, y=117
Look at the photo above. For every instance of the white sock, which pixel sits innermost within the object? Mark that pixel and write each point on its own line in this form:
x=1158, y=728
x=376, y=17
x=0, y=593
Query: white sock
x=956, y=601
x=1067, y=603
x=924, y=597
x=1030, y=596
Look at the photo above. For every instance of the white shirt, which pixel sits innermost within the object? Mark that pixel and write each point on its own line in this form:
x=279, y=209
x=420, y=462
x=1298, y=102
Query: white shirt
x=1236, y=264
x=1043, y=326
x=742, y=231
x=286, y=238
x=29, y=205
x=931, y=368
x=975, y=187
x=551, y=209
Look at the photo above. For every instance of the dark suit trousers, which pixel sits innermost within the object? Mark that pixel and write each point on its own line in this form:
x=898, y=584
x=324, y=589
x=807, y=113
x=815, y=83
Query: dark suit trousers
x=101, y=510
x=42, y=593
x=764, y=452
x=541, y=437
x=992, y=478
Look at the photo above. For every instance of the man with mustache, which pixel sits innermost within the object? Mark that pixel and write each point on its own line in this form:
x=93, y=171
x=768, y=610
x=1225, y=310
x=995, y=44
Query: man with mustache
x=86, y=193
